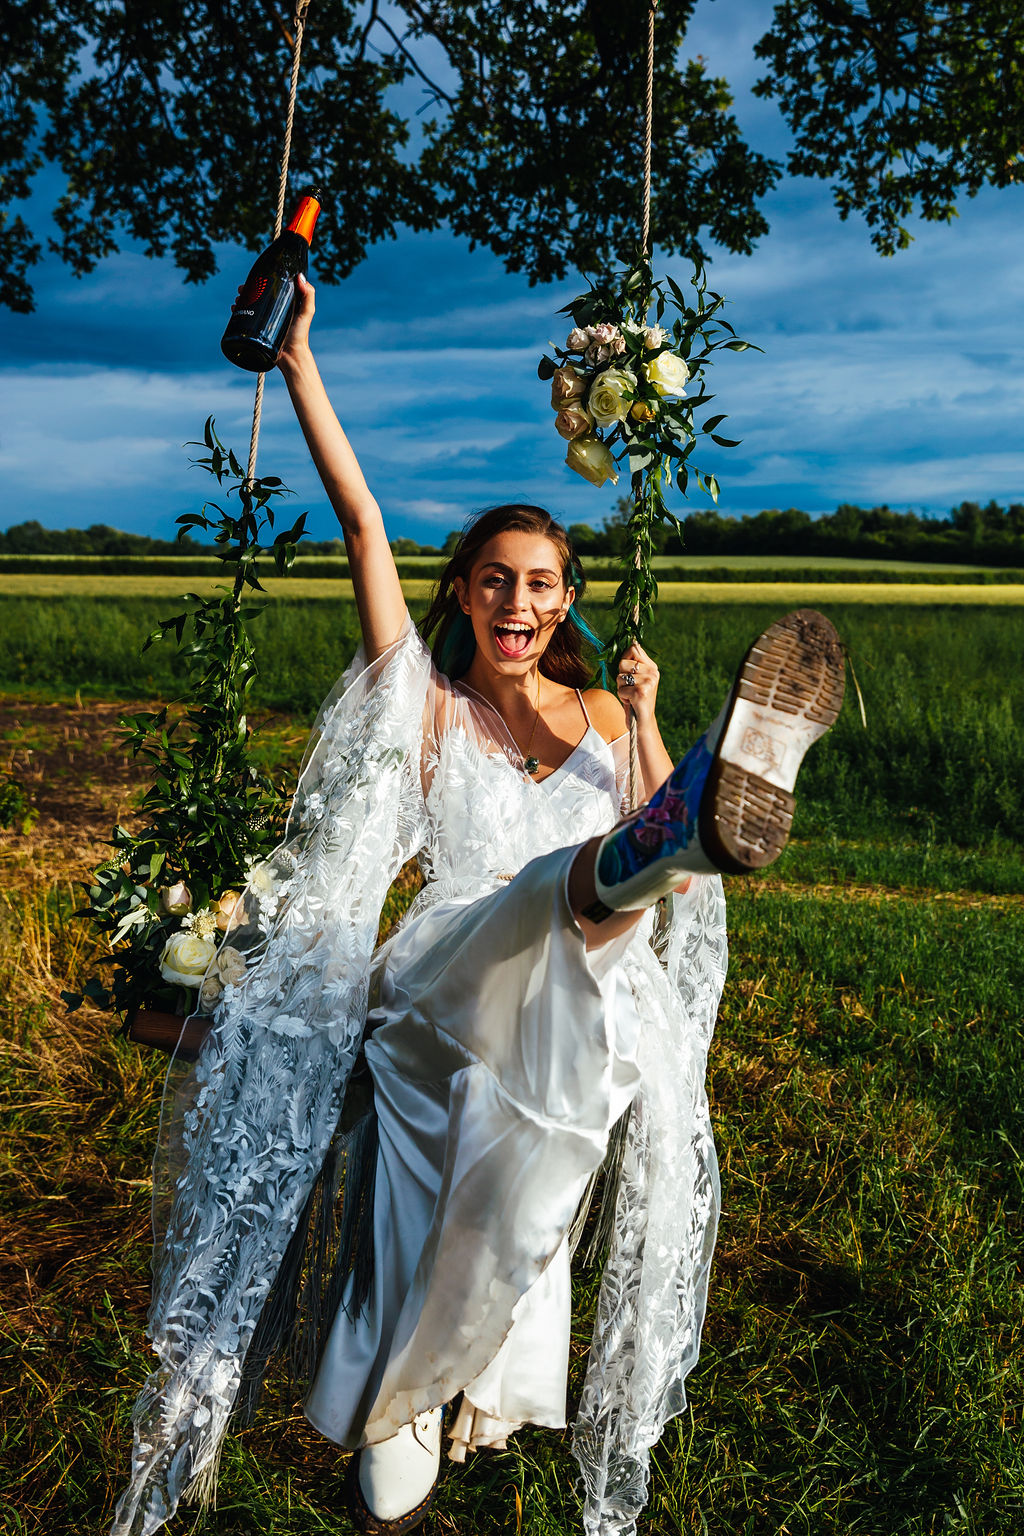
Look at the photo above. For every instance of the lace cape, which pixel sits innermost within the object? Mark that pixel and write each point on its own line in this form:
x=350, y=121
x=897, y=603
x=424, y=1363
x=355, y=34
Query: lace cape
x=245, y=1131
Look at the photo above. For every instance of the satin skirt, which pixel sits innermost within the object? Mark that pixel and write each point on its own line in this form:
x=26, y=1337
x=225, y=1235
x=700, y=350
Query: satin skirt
x=502, y=1052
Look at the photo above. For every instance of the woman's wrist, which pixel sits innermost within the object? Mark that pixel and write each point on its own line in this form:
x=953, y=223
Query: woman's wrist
x=294, y=363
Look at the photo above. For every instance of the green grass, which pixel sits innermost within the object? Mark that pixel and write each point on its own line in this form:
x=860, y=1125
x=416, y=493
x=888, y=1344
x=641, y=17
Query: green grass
x=943, y=689
x=862, y=1372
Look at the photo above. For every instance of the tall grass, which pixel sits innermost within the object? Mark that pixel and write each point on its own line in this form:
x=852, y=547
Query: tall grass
x=863, y=1363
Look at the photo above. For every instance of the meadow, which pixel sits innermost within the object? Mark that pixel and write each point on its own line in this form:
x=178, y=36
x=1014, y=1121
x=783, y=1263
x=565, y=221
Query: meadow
x=862, y=1372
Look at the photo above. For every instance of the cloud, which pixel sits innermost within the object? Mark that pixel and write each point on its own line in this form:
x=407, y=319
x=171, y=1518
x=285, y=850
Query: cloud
x=880, y=380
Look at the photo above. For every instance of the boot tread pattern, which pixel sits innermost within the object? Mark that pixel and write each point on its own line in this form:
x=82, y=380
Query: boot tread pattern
x=796, y=668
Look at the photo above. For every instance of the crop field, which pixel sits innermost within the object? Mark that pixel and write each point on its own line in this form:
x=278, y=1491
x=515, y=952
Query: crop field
x=862, y=1370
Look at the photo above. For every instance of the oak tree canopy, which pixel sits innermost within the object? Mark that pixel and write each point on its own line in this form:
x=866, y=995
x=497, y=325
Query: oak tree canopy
x=515, y=123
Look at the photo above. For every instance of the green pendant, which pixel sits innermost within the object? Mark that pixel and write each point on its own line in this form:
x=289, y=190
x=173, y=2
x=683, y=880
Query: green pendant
x=531, y=764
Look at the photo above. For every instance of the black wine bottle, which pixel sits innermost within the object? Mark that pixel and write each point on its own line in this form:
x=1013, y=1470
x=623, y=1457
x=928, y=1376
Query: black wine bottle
x=262, y=313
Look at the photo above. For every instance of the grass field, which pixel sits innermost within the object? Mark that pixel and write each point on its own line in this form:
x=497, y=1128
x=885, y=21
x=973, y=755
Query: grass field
x=863, y=1364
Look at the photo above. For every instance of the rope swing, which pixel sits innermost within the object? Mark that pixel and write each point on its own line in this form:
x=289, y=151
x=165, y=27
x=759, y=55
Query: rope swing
x=299, y=23
x=645, y=250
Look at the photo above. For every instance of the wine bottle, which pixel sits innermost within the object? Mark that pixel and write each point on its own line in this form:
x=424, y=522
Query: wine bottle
x=262, y=313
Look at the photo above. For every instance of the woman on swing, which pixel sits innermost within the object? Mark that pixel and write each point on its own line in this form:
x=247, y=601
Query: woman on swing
x=525, y=1004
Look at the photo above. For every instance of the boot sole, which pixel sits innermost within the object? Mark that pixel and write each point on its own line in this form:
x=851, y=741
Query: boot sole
x=788, y=693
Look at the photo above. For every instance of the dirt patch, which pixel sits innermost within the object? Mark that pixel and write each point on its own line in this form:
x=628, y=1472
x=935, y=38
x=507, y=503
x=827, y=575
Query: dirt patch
x=81, y=781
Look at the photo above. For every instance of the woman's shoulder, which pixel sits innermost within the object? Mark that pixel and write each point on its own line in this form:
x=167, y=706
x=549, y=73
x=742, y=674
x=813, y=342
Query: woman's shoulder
x=607, y=715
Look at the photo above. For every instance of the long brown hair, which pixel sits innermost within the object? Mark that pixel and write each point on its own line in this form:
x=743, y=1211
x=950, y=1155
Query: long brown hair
x=453, y=644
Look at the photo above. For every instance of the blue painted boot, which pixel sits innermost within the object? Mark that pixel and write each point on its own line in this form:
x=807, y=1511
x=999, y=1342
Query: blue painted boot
x=728, y=805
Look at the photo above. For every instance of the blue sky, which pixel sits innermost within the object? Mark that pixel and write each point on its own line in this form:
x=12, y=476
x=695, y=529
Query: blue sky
x=893, y=380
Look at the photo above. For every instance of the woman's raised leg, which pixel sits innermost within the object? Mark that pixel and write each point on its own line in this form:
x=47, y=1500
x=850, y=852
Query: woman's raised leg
x=728, y=805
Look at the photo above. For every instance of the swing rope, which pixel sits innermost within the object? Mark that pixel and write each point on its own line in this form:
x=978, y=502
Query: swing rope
x=645, y=245
x=301, y=7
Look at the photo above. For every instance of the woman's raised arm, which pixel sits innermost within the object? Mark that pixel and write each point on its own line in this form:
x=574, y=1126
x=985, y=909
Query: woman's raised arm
x=378, y=591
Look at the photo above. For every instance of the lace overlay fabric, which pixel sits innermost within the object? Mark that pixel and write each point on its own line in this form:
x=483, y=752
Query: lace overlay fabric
x=401, y=763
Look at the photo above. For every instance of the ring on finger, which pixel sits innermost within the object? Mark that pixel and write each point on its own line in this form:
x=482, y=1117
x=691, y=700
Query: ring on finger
x=627, y=679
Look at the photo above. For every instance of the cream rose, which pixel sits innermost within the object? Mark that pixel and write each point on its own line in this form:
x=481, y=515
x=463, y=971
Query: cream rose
x=176, y=899
x=230, y=964
x=573, y=422
x=566, y=385
x=606, y=401
x=210, y=992
x=577, y=340
x=668, y=373
x=185, y=958
x=589, y=457
x=224, y=910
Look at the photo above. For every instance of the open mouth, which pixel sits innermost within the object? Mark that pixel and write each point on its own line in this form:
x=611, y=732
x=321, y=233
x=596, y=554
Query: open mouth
x=513, y=639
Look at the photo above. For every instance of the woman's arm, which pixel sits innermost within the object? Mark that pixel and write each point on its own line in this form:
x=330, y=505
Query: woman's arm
x=378, y=591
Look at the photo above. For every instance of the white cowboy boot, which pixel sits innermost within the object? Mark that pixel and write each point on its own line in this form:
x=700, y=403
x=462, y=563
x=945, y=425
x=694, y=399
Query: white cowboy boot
x=392, y=1484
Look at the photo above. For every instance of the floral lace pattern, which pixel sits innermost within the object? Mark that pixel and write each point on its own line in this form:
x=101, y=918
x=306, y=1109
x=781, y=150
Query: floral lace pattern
x=401, y=763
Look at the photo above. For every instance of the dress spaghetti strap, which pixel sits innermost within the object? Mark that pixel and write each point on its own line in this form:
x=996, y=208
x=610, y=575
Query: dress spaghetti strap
x=586, y=717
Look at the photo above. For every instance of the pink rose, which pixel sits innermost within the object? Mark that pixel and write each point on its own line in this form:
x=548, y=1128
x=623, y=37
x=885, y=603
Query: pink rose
x=572, y=422
x=577, y=340
x=566, y=385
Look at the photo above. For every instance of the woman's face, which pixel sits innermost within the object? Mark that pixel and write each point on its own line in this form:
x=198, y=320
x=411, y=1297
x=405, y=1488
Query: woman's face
x=515, y=598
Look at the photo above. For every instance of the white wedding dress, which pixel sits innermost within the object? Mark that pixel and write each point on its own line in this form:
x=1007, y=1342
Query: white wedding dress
x=501, y=1054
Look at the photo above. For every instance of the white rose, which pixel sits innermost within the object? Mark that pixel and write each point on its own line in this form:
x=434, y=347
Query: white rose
x=185, y=958
x=654, y=337
x=230, y=964
x=668, y=373
x=606, y=401
x=577, y=340
x=589, y=457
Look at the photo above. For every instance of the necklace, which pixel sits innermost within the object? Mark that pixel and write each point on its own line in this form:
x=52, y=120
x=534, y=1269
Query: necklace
x=531, y=764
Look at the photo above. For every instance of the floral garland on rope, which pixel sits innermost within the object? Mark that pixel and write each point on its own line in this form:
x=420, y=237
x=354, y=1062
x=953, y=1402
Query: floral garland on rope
x=167, y=899
x=619, y=389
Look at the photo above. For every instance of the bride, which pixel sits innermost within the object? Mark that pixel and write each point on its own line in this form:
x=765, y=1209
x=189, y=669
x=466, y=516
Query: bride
x=528, y=1001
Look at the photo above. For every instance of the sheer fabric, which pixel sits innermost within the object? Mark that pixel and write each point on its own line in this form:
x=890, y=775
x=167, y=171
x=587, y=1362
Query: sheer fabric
x=403, y=763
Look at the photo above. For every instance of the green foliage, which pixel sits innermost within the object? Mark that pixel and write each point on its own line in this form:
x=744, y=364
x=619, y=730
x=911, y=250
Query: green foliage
x=901, y=106
x=15, y=806
x=209, y=811
x=531, y=145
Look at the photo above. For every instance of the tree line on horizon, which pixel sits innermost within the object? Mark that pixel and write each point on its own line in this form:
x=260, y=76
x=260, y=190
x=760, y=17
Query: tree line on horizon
x=985, y=535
